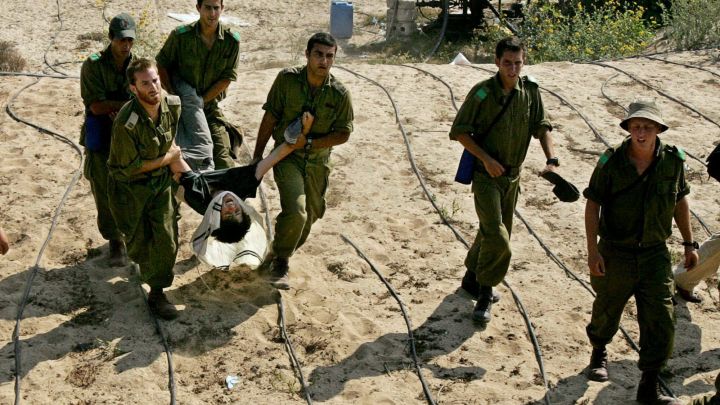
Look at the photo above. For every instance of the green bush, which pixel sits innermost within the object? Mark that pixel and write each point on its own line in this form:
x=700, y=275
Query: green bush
x=693, y=24
x=609, y=30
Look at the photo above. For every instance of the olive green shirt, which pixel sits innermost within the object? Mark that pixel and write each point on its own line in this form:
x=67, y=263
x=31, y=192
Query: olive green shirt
x=509, y=138
x=101, y=81
x=184, y=53
x=641, y=215
x=290, y=95
x=136, y=138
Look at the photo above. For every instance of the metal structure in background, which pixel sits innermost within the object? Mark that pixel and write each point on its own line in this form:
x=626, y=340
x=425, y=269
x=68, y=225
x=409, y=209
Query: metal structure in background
x=466, y=15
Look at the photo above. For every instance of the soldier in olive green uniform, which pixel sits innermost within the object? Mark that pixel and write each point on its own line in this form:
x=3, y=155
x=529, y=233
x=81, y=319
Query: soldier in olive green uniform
x=635, y=192
x=141, y=185
x=104, y=90
x=302, y=177
x=205, y=55
x=499, y=156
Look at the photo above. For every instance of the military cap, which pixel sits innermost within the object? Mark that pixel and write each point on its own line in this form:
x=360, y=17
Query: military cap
x=122, y=26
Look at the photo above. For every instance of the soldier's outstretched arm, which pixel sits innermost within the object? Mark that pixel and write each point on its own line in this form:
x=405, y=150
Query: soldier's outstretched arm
x=596, y=264
x=266, y=127
x=682, y=219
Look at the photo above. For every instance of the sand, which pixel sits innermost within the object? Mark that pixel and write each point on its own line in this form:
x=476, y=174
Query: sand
x=86, y=335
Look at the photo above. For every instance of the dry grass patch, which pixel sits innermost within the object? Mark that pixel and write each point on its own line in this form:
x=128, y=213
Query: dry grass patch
x=10, y=58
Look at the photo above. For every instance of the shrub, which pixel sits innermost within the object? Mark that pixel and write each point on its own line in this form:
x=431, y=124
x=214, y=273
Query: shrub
x=10, y=58
x=609, y=30
x=693, y=24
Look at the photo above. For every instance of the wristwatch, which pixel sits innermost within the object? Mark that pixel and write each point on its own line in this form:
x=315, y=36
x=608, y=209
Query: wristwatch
x=553, y=161
x=692, y=244
x=308, y=144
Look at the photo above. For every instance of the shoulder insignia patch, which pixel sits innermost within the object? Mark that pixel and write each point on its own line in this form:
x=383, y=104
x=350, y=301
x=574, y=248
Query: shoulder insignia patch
x=676, y=150
x=95, y=57
x=173, y=100
x=132, y=121
x=605, y=157
x=530, y=79
x=183, y=28
x=481, y=94
x=235, y=35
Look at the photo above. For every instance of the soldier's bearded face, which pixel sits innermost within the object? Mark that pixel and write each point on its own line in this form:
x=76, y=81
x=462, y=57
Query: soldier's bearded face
x=147, y=86
x=210, y=11
x=509, y=67
x=320, y=59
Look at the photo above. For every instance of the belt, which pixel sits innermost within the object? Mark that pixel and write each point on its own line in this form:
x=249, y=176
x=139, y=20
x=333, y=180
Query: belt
x=509, y=171
x=632, y=246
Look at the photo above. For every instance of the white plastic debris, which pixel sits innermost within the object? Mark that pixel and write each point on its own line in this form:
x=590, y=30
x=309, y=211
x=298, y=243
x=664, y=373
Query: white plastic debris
x=188, y=18
x=231, y=381
x=460, y=59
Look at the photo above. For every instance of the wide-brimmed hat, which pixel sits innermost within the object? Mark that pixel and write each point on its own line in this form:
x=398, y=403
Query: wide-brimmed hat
x=123, y=26
x=563, y=190
x=644, y=109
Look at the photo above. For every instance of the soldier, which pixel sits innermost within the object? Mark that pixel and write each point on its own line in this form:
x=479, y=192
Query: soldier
x=640, y=187
x=141, y=185
x=203, y=55
x=302, y=177
x=104, y=90
x=495, y=124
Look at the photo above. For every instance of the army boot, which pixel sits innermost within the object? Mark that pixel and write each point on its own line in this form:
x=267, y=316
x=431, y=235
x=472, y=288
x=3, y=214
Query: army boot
x=597, y=370
x=118, y=254
x=481, y=313
x=649, y=391
x=278, y=276
x=471, y=286
x=160, y=306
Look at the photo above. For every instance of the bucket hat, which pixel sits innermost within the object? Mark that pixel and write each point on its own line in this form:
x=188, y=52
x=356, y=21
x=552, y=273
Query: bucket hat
x=644, y=109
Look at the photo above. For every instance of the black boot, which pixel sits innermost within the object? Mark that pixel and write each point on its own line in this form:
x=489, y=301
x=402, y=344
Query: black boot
x=649, y=390
x=118, y=254
x=597, y=370
x=278, y=276
x=481, y=313
x=471, y=286
x=160, y=306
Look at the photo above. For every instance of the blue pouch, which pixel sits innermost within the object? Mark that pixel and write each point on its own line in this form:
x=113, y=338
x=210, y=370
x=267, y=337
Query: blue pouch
x=466, y=168
x=97, y=132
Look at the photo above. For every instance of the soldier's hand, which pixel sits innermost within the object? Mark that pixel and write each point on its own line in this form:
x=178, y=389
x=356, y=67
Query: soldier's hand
x=307, y=122
x=596, y=264
x=691, y=258
x=4, y=242
x=548, y=168
x=300, y=143
x=493, y=167
x=174, y=153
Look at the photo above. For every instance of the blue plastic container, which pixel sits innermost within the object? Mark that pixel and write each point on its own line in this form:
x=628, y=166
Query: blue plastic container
x=341, y=19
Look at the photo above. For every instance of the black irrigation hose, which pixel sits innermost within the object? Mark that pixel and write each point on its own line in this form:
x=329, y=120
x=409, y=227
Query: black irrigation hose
x=687, y=65
x=411, y=158
x=29, y=74
x=554, y=257
x=694, y=214
x=36, y=267
x=52, y=41
x=403, y=310
x=438, y=78
x=291, y=351
x=446, y=17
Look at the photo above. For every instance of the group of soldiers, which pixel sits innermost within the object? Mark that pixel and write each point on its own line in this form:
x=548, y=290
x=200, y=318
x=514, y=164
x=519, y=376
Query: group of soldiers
x=132, y=152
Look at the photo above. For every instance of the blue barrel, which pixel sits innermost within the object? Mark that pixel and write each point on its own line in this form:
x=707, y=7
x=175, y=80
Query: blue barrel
x=341, y=19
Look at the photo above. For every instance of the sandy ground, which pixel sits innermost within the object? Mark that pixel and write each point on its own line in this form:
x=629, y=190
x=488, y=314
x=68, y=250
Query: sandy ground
x=86, y=336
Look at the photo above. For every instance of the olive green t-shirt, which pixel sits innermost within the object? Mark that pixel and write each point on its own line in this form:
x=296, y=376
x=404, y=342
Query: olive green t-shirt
x=184, y=53
x=136, y=138
x=641, y=215
x=101, y=81
x=509, y=138
x=290, y=95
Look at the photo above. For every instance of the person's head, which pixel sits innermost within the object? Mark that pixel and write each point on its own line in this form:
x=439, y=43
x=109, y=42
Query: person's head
x=210, y=11
x=644, y=122
x=144, y=81
x=122, y=35
x=234, y=222
x=510, y=58
x=320, y=54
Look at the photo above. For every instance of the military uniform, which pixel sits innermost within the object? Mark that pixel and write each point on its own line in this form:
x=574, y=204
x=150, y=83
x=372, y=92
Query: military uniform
x=185, y=54
x=101, y=81
x=635, y=221
x=507, y=142
x=302, y=177
x=143, y=204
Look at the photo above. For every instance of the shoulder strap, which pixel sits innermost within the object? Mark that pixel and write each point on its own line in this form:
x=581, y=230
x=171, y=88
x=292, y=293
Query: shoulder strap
x=637, y=181
x=495, y=120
